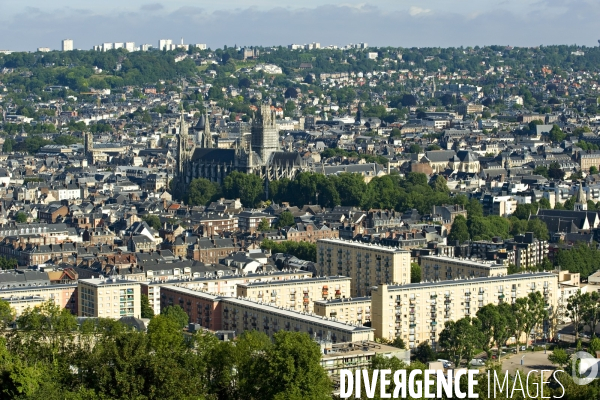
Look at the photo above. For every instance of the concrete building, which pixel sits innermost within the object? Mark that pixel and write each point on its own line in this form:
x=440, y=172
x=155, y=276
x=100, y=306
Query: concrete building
x=240, y=315
x=367, y=264
x=297, y=294
x=417, y=312
x=435, y=268
x=356, y=355
x=164, y=44
x=67, y=45
x=355, y=310
x=222, y=285
x=64, y=296
x=108, y=298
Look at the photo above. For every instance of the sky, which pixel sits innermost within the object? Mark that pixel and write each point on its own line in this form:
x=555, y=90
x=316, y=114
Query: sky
x=28, y=24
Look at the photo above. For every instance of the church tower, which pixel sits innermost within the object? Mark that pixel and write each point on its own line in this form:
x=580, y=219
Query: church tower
x=203, y=134
x=265, y=135
x=183, y=154
x=581, y=203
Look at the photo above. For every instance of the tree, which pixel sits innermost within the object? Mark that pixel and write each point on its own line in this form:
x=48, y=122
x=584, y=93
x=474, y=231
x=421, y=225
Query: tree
x=559, y=357
x=424, y=353
x=7, y=147
x=21, y=217
x=474, y=208
x=541, y=170
x=415, y=149
x=395, y=133
x=460, y=338
x=247, y=187
x=398, y=342
x=351, y=189
x=439, y=184
x=264, y=225
x=576, y=308
x=291, y=93
x=490, y=322
x=593, y=170
x=177, y=314
x=555, y=172
x=520, y=310
x=536, y=312
x=285, y=219
x=539, y=229
x=415, y=273
x=7, y=314
x=292, y=369
x=409, y=100
x=556, y=134
x=201, y=191
x=545, y=204
x=591, y=314
x=153, y=221
x=146, y=310
x=459, y=230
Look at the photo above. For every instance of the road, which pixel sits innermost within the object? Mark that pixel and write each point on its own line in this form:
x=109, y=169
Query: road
x=536, y=360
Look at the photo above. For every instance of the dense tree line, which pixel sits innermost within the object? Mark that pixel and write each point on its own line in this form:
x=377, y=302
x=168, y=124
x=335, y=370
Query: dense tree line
x=303, y=250
x=50, y=356
x=387, y=192
x=581, y=258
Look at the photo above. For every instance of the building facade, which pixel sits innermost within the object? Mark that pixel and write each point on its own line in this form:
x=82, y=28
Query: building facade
x=417, y=312
x=435, y=268
x=109, y=298
x=366, y=264
x=355, y=310
x=296, y=294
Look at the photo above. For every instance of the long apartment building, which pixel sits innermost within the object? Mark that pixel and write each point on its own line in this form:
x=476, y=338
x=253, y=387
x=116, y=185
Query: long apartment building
x=222, y=284
x=366, y=264
x=109, y=298
x=237, y=314
x=435, y=268
x=417, y=312
x=355, y=310
x=20, y=298
x=297, y=294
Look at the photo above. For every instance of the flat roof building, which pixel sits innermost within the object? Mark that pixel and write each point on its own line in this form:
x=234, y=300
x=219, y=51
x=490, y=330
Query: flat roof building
x=109, y=298
x=434, y=268
x=417, y=312
x=356, y=310
x=367, y=264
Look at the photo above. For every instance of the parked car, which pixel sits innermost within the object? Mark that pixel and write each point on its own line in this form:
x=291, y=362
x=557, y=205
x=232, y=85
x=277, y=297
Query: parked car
x=523, y=348
x=477, y=362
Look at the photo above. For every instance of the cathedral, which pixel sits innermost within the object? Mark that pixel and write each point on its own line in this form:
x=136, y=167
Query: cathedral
x=198, y=158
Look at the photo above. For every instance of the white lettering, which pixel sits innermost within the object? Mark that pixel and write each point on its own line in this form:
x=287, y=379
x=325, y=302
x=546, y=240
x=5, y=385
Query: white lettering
x=561, y=385
x=412, y=384
x=400, y=384
x=533, y=384
x=517, y=379
x=542, y=382
x=384, y=381
x=370, y=386
x=472, y=383
x=457, y=392
x=428, y=381
x=444, y=383
x=504, y=383
x=357, y=386
x=346, y=374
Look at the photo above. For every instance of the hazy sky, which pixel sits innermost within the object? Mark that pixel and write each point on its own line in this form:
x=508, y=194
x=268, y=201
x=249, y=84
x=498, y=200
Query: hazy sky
x=28, y=24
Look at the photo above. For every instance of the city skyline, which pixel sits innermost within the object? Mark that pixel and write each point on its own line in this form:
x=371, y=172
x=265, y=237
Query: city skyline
x=25, y=27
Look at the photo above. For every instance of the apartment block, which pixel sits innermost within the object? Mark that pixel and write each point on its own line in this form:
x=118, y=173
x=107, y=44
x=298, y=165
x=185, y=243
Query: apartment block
x=109, y=298
x=355, y=310
x=240, y=315
x=296, y=294
x=366, y=264
x=222, y=285
x=417, y=312
x=20, y=298
x=435, y=268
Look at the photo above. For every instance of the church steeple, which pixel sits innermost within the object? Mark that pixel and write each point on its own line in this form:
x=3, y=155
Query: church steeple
x=581, y=203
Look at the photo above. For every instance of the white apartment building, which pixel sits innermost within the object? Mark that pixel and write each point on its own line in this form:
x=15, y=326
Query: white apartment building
x=164, y=44
x=108, y=298
x=417, y=312
x=67, y=44
x=366, y=264
x=297, y=294
x=355, y=310
x=130, y=46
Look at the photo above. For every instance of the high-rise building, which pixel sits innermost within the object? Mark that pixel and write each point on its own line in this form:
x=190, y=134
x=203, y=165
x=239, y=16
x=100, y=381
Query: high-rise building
x=67, y=44
x=368, y=265
x=130, y=46
x=43, y=49
x=165, y=44
x=118, y=45
x=108, y=298
x=417, y=312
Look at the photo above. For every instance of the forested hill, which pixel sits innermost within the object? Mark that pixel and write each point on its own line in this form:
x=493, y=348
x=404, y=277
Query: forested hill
x=75, y=69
